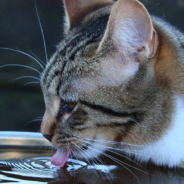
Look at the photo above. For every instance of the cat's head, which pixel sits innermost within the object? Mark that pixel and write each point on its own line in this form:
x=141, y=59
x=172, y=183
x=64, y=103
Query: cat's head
x=100, y=83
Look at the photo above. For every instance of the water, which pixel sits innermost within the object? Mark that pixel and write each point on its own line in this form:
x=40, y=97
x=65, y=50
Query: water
x=33, y=166
x=25, y=166
x=25, y=158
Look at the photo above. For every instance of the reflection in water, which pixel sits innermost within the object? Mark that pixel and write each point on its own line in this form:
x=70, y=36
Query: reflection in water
x=39, y=169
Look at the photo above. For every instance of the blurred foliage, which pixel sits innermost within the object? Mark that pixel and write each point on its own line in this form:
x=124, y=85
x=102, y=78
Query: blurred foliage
x=19, y=28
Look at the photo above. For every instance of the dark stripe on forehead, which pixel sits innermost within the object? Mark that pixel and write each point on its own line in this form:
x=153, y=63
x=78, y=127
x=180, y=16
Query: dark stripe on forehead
x=93, y=32
x=96, y=27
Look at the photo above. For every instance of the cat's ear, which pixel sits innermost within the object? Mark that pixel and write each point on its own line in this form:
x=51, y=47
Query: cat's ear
x=76, y=9
x=130, y=30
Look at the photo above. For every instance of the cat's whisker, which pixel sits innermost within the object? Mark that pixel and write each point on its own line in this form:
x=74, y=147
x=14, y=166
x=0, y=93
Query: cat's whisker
x=87, y=159
x=39, y=118
x=155, y=6
x=109, y=142
x=34, y=120
x=100, y=161
x=43, y=37
x=81, y=151
x=23, y=77
x=19, y=65
x=68, y=145
x=131, y=152
x=127, y=158
x=116, y=160
x=122, y=150
x=135, y=121
x=91, y=154
x=147, y=128
x=36, y=57
x=111, y=150
x=31, y=83
x=122, y=161
x=24, y=53
x=122, y=164
x=128, y=151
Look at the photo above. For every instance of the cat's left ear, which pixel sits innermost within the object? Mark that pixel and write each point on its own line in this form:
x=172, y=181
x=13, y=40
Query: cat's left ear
x=75, y=10
x=130, y=30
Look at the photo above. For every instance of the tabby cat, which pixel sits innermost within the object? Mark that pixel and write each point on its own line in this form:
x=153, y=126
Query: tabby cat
x=116, y=82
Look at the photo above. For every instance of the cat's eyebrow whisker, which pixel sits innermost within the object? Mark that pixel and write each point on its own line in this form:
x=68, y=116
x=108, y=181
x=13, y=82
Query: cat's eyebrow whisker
x=43, y=37
x=24, y=66
x=23, y=77
x=24, y=53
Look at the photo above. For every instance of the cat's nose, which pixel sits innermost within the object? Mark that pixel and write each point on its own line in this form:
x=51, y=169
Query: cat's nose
x=48, y=137
x=48, y=127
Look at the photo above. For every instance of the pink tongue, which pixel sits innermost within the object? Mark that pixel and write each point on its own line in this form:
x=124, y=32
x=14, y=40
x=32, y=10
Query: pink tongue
x=60, y=158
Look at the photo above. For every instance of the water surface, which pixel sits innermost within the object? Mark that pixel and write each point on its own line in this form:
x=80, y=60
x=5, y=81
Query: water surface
x=33, y=166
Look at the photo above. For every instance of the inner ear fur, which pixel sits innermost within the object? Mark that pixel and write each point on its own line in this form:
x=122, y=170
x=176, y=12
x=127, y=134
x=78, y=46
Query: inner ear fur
x=76, y=9
x=131, y=30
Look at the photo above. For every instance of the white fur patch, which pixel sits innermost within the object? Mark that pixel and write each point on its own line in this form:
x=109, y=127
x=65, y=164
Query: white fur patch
x=169, y=150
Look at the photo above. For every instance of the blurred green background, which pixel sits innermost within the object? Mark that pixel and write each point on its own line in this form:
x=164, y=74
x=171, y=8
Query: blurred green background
x=19, y=28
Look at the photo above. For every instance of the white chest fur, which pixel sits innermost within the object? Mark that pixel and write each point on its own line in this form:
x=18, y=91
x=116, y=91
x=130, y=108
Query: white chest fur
x=169, y=150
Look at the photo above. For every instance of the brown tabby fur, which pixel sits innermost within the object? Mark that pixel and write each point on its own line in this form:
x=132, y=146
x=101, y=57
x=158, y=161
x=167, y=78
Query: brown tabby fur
x=137, y=110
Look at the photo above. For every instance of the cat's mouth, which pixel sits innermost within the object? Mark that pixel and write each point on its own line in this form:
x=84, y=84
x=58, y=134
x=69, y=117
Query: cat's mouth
x=63, y=153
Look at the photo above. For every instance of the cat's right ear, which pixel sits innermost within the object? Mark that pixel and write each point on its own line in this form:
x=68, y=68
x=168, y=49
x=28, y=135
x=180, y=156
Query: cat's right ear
x=75, y=10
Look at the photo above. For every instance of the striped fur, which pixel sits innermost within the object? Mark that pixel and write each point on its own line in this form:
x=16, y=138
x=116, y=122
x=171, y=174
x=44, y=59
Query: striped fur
x=126, y=84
